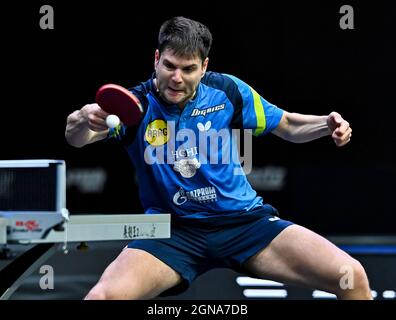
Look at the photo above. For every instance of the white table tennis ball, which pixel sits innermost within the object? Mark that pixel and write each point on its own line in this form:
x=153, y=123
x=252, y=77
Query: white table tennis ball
x=112, y=121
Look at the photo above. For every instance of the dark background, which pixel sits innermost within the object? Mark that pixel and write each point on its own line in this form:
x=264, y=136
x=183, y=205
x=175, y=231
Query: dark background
x=293, y=53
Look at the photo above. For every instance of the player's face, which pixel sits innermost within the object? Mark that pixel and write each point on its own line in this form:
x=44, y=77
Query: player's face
x=178, y=77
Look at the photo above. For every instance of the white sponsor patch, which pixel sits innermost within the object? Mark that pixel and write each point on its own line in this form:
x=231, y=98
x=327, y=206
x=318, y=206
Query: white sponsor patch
x=204, y=112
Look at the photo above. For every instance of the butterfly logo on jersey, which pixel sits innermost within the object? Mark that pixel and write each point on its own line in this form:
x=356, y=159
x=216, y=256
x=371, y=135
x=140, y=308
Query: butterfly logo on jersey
x=201, y=127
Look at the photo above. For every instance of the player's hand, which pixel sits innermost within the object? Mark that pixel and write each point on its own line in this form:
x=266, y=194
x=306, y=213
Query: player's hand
x=339, y=129
x=95, y=117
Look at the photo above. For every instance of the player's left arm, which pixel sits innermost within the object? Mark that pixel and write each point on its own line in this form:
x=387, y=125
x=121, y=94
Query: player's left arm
x=301, y=128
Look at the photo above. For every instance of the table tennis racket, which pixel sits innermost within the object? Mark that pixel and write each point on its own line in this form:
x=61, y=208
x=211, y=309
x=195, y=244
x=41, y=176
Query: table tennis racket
x=119, y=101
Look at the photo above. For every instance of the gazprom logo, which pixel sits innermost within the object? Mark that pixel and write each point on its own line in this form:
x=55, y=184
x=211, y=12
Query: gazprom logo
x=201, y=195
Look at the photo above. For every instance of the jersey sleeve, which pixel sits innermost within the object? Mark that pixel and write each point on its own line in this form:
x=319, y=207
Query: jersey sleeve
x=117, y=133
x=257, y=113
x=125, y=135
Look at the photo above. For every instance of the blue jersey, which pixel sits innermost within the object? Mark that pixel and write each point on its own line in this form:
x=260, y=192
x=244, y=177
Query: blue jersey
x=187, y=160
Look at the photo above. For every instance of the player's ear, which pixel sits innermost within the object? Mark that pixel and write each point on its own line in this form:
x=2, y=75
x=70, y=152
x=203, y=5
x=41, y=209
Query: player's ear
x=156, y=58
x=204, y=66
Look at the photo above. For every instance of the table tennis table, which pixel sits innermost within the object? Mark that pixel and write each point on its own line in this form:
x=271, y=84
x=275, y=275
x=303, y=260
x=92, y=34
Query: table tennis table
x=49, y=226
x=80, y=228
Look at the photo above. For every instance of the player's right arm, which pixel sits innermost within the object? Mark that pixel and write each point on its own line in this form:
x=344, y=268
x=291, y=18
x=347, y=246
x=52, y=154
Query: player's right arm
x=86, y=126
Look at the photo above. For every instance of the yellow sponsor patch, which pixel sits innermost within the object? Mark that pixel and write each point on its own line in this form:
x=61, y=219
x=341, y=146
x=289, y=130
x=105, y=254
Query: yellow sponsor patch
x=157, y=133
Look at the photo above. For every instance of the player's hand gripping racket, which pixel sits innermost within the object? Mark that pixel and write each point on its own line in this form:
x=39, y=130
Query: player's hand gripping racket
x=120, y=103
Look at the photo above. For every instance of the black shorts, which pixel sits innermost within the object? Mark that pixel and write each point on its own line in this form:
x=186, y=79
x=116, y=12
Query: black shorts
x=198, y=246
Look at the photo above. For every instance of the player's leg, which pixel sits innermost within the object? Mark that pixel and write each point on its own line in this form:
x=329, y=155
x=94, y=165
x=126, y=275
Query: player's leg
x=134, y=274
x=301, y=257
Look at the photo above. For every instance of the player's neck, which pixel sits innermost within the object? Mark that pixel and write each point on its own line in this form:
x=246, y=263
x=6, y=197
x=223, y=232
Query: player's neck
x=181, y=105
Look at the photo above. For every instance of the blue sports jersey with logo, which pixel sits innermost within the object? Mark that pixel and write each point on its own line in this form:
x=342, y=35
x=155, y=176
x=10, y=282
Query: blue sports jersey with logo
x=187, y=161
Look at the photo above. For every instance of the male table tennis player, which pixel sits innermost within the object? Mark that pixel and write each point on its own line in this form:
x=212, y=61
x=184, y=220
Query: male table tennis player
x=218, y=220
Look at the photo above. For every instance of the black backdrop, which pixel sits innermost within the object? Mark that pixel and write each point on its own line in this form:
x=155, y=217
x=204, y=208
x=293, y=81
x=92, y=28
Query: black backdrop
x=294, y=54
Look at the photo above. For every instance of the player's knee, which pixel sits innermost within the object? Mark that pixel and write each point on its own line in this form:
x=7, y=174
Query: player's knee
x=96, y=293
x=361, y=281
x=108, y=292
x=102, y=292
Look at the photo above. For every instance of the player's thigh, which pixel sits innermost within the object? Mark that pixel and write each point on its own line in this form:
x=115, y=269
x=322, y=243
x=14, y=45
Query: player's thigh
x=136, y=274
x=302, y=257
